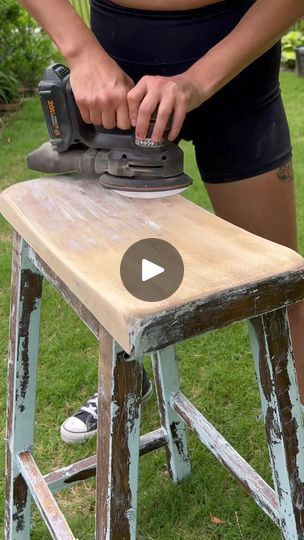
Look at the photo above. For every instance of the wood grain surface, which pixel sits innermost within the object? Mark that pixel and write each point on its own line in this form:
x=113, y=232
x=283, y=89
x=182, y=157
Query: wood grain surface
x=82, y=231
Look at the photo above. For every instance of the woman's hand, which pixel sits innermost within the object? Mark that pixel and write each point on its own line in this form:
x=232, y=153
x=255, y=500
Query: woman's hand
x=100, y=89
x=174, y=96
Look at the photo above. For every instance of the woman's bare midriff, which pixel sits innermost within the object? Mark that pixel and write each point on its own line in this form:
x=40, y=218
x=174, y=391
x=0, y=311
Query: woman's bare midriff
x=165, y=5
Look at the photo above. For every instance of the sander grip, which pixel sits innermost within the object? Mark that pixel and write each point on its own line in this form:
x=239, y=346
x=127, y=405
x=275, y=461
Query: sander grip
x=62, y=116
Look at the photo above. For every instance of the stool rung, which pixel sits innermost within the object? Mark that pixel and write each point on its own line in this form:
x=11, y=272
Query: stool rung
x=86, y=468
x=262, y=493
x=47, y=506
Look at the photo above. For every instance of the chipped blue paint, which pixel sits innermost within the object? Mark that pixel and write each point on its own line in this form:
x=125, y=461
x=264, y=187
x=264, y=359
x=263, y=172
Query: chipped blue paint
x=263, y=494
x=133, y=433
x=270, y=408
x=45, y=502
x=167, y=382
x=297, y=412
x=23, y=367
x=114, y=412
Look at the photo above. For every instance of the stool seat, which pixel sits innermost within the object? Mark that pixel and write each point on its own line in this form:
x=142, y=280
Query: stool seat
x=82, y=231
x=73, y=233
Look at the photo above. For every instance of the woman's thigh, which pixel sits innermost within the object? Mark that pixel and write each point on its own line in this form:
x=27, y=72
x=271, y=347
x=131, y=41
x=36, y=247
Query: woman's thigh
x=263, y=205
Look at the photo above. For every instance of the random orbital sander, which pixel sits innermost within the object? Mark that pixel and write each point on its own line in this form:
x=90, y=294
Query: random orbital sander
x=121, y=162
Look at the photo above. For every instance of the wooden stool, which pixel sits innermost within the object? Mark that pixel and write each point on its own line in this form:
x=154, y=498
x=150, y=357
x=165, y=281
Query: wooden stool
x=74, y=233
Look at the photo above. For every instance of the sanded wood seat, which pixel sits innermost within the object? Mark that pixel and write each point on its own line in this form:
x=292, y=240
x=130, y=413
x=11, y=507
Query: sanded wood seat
x=73, y=233
x=82, y=231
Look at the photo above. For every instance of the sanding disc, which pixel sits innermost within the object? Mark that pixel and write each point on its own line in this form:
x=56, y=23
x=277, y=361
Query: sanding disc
x=149, y=194
x=146, y=187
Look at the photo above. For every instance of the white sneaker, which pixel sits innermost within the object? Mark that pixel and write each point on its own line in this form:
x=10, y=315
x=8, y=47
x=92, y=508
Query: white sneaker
x=83, y=424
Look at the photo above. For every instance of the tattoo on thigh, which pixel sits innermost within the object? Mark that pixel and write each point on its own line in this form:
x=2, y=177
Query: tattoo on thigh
x=285, y=172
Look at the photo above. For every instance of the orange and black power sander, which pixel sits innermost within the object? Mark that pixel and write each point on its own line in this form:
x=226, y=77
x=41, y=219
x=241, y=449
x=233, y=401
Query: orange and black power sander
x=131, y=167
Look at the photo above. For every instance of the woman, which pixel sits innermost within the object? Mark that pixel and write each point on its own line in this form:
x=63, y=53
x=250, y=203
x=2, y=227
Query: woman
x=214, y=67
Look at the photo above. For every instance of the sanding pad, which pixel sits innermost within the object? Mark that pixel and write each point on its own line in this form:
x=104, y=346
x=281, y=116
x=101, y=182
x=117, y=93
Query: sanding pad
x=149, y=194
x=146, y=187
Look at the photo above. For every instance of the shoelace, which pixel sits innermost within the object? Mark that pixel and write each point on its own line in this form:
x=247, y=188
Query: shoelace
x=91, y=406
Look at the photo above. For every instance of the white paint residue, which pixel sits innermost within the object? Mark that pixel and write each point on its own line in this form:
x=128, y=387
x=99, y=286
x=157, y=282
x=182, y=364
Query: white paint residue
x=152, y=225
x=115, y=409
x=92, y=241
x=73, y=245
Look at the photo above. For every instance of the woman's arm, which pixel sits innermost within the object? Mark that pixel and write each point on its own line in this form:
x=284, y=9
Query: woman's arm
x=65, y=27
x=261, y=27
x=100, y=87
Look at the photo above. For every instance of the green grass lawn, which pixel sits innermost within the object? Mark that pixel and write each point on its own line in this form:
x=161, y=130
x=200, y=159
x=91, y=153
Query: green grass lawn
x=216, y=374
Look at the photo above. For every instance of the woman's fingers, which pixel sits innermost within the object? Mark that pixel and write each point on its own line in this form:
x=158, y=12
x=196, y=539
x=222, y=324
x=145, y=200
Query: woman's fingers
x=107, y=113
x=145, y=111
x=166, y=95
x=94, y=113
x=109, y=98
x=163, y=117
x=135, y=97
x=178, y=118
x=122, y=117
x=85, y=113
x=100, y=91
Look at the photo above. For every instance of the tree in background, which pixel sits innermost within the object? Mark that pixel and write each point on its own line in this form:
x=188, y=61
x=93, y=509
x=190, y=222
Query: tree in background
x=25, y=50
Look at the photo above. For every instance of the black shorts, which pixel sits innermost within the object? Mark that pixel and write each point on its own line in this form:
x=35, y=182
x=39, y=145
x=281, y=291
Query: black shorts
x=242, y=130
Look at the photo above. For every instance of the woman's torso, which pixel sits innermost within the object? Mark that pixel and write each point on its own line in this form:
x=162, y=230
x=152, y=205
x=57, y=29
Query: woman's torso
x=166, y=5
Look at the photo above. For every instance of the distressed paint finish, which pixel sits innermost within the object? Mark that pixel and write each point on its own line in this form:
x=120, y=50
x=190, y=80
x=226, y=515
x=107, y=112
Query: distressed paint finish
x=83, y=243
x=46, y=504
x=279, y=396
x=262, y=493
x=22, y=367
x=120, y=379
x=166, y=382
x=84, y=314
x=86, y=468
x=119, y=396
x=216, y=311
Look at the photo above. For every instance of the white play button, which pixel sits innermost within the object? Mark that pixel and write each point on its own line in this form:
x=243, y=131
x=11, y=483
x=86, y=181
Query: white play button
x=149, y=270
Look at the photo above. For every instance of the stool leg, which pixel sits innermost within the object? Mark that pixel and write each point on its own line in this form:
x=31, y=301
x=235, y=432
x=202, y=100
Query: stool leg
x=120, y=382
x=276, y=376
x=22, y=366
x=167, y=381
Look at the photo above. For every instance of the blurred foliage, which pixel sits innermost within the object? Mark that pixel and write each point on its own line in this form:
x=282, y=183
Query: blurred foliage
x=290, y=41
x=9, y=87
x=83, y=8
x=299, y=25
x=25, y=50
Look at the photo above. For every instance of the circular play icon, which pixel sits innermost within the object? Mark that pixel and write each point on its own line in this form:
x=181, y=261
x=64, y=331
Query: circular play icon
x=152, y=269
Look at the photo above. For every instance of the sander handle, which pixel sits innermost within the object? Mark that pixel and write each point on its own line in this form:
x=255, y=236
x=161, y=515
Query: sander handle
x=62, y=116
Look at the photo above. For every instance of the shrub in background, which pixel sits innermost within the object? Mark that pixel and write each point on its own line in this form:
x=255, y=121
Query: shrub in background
x=291, y=40
x=299, y=25
x=9, y=88
x=25, y=50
